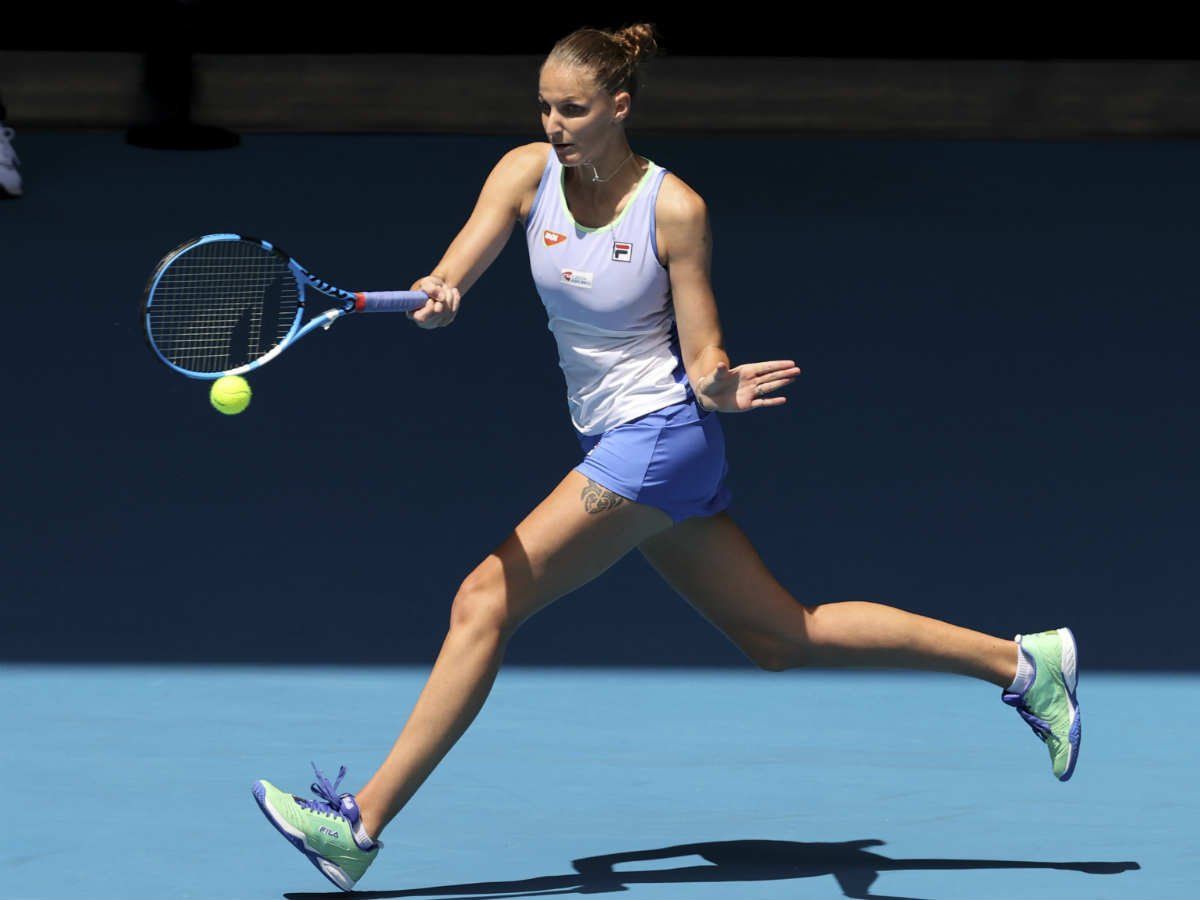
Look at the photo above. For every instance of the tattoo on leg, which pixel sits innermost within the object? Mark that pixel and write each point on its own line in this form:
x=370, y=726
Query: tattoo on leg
x=597, y=498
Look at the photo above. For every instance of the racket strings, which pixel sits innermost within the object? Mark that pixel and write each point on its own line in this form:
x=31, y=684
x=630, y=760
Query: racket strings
x=222, y=305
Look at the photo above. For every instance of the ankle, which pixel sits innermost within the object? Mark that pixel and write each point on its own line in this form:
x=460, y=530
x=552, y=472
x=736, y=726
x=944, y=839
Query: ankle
x=1015, y=673
x=371, y=821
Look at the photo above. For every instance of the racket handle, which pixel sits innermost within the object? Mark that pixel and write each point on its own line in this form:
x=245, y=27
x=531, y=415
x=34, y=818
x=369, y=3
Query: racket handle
x=389, y=301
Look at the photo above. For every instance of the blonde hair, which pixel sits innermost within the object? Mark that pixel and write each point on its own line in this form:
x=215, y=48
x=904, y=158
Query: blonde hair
x=611, y=57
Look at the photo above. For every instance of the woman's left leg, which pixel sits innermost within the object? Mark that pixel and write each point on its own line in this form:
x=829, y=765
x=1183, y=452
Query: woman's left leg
x=713, y=565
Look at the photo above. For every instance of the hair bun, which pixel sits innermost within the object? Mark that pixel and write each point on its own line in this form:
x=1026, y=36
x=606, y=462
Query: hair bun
x=638, y=41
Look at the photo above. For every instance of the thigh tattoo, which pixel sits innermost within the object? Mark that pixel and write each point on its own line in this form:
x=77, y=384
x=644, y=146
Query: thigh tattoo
x=597, y=498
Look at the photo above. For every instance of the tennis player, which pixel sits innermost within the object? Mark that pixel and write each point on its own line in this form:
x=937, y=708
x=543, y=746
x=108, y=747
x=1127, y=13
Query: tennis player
x=620, y=254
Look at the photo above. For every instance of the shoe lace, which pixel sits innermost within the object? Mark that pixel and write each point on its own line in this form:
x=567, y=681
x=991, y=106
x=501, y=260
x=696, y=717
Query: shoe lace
x=1040, y=726
x=329, y=803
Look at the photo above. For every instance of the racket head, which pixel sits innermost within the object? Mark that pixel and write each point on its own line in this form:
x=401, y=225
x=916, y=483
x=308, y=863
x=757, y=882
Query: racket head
x=222, y=304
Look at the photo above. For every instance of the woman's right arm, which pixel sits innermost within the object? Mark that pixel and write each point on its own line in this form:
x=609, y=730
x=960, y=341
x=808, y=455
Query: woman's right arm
x=483, y=236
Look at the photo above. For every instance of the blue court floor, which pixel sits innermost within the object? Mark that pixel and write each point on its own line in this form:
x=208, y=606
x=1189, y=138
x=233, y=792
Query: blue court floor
x=134, y=782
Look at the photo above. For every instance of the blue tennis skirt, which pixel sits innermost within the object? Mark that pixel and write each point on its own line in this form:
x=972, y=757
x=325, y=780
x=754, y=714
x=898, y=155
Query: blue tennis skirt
x=672, y=459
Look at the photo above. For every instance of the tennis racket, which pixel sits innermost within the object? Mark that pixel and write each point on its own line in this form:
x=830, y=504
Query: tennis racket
x=225, y=304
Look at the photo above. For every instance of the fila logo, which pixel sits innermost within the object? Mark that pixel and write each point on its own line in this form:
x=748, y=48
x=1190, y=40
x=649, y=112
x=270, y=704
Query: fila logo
x=579, y=279
x=622, y=251
x=328, y=831
x=550, y=238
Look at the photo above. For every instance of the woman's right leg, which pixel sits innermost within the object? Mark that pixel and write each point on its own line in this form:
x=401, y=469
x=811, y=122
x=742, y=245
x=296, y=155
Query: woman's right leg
x=572, y=536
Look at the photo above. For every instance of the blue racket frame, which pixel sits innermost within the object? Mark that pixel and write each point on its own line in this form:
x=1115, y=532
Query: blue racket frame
x=363, y=301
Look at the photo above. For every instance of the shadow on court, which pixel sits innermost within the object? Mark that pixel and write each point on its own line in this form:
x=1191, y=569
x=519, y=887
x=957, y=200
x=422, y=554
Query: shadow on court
x=854, y=867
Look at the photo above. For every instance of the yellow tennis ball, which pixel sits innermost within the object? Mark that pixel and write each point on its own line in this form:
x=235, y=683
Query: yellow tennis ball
x=230, y=394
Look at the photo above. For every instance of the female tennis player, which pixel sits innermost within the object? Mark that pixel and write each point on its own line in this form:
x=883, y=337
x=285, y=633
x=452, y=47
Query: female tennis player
x=620, y=252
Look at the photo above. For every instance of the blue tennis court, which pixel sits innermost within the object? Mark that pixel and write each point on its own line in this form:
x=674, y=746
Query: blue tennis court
x=996, y=427
x=697, y=783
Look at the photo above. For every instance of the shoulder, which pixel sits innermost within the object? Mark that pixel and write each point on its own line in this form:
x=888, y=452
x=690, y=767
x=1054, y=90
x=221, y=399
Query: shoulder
x=678, y=201
x=681, y=216
x=524, y=164
x=529, y=157
x=521, y=169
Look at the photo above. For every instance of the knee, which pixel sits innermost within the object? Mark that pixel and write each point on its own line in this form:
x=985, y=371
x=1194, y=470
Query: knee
x=776, y=659
x=479, y=604
x=789, y=648
x=768, y=653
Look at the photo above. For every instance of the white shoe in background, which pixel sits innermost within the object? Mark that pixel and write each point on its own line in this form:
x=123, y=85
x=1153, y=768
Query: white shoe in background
x=10, y=176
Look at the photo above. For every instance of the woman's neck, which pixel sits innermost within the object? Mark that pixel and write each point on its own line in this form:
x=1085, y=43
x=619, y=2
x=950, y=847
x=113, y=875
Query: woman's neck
x=610, y=177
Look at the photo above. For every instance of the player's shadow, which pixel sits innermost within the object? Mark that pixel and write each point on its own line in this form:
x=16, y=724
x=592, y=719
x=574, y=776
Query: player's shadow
x=854, y=867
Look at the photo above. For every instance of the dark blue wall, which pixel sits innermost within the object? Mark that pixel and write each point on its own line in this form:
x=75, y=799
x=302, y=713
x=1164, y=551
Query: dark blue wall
x=996, y=423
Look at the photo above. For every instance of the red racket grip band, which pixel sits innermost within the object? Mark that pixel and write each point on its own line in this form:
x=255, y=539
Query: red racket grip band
x=389, y=301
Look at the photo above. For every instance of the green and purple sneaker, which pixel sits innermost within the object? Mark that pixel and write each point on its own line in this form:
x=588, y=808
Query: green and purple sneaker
x=1048, y=705
x=328, y=830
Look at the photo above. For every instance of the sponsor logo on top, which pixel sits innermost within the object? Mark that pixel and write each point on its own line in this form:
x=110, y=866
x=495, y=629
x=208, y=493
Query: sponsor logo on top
x=577, y=278
x=550, y=238
x=622, y=251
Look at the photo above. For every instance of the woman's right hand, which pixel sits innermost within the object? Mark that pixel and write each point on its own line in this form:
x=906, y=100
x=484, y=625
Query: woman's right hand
x=441, y=307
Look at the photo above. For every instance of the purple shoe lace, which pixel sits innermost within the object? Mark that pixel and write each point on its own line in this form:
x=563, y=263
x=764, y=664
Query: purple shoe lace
x=330, y=801
x=1040, y=726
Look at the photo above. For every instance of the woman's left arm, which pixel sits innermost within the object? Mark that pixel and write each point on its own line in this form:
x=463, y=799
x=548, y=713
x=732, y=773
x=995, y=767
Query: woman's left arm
x=682, y=217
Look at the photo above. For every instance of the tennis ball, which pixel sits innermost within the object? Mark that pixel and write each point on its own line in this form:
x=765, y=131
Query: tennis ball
x=230, y=394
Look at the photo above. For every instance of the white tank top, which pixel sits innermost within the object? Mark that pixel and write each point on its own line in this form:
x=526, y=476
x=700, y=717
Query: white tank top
x=608, y=299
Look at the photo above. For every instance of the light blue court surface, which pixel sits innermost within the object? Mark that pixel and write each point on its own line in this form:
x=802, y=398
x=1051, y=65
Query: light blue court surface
x=134, y=782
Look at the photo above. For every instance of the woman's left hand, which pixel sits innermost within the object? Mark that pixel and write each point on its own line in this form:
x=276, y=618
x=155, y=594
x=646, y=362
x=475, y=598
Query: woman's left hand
x=745, y=387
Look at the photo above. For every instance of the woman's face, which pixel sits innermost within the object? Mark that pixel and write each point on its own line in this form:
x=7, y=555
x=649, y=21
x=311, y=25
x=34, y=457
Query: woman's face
x=577, y=117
